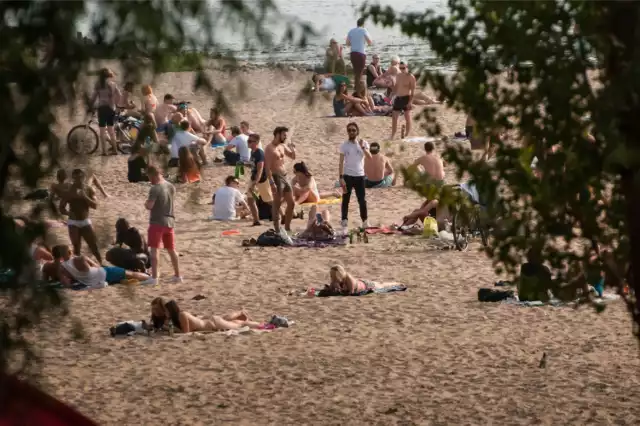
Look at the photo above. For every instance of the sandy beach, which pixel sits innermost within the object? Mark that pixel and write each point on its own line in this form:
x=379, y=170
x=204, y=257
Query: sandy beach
x=432, y=355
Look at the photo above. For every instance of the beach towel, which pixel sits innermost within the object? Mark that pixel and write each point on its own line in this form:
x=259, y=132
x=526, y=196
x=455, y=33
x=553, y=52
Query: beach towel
x=606, y=298
x=385, y=230
x=382, y=288
x=420, y=139
x=337, y=241
x=326, y=201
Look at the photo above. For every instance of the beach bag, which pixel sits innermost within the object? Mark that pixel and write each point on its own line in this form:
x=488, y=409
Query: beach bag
x=492, y=295
x=270, y=239
x=430, y=227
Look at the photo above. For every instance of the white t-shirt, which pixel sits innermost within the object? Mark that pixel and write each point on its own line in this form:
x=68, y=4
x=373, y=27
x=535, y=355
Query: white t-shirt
x=180, y=139
x=242, y=147
x=357, y=37
x=224, y=206
x=353, y=158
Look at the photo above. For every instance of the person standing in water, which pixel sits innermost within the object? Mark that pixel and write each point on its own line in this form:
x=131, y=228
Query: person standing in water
x=351, y=171
x=80, y=198
x=358, y=38
x=274, y=156
x=403, y=89
x=161, y=223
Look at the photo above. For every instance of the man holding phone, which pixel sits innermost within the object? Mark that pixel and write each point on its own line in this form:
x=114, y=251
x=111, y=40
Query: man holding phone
x=351, y=170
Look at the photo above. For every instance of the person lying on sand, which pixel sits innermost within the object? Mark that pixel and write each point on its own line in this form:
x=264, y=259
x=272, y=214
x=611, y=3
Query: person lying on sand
x=328, y=82
x=305, y=188
x=344, y=283
x=135, y=256
x=69, y=269
x=378, y=169
x=428, y=208
x=163, y=311
x=345, y=105
x=227, y=199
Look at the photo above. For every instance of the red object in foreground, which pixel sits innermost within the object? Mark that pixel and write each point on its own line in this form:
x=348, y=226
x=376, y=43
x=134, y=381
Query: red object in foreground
x=24, y=404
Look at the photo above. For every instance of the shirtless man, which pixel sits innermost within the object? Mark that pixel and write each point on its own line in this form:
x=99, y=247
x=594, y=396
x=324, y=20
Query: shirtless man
x=377, y=169
x=61, y=186
x=431, y=162
x=274, y=157
x=388, y=78
x=80, y=197
x=163, y=112
x=197, y=123
x=403, y=90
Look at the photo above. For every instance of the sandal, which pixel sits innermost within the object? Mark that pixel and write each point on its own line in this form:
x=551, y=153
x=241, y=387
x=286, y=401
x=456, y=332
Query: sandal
x=249, y=243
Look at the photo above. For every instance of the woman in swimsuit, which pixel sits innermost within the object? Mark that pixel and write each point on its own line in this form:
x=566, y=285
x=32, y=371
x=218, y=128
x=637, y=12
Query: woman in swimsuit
x=344, y=283
x=305, y=188
x=345, y=105
x=162, y=311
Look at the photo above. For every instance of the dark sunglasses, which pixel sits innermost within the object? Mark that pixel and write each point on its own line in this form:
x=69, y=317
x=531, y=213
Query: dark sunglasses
x=351, y=130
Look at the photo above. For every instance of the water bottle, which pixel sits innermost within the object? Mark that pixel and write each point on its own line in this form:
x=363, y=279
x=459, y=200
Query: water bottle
x=171, y=329
x=402, y=131
x=147, y=142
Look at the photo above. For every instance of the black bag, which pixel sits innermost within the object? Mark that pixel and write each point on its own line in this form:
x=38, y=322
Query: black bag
x=270, y=239
x=492, y=295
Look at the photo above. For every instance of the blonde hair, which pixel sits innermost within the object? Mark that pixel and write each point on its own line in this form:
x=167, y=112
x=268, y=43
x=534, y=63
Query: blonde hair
x=146, y=90
x=338, y=274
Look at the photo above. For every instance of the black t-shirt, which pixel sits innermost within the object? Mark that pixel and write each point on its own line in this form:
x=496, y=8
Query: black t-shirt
x=535, y=270
x=257, y=156
x=134, y=239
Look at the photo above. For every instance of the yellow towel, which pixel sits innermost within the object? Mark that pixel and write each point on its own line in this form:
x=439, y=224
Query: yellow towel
x=325, y=201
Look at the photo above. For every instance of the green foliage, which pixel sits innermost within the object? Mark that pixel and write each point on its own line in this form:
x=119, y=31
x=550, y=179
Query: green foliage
x=42, y=62
x=546, y=72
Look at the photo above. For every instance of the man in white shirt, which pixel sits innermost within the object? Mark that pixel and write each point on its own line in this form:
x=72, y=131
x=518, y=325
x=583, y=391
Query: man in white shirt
x=239, y=142
x=226, y=199
x=358, y=38
x=351, y=170
x=184, y=138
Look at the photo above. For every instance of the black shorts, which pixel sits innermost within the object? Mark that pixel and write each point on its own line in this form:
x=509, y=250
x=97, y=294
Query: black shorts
x=281, y=183
x=173, y=162
x=106, y=116
x=400, y=103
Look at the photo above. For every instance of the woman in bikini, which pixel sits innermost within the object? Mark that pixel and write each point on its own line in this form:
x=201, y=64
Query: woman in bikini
x=344, y=283
x=305, y=188
x=163, y=311
x=149, y=100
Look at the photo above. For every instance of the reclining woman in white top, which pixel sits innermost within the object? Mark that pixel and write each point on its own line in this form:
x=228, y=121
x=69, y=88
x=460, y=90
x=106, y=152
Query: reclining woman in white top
x=305, y=188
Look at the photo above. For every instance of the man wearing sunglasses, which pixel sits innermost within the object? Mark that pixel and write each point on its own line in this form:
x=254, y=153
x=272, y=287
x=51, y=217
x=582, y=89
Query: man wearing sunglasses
x=351, y=168
x=403, y=90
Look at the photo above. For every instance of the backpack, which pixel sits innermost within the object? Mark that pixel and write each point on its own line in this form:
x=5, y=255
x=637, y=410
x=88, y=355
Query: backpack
x=270, y=239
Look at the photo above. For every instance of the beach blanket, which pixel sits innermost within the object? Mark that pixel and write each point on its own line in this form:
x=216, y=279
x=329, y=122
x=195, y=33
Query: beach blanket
x=326, y=201
x=384, y=230
x=606, y=298
x=382, y=288
x=420, y=139
x=337, y=241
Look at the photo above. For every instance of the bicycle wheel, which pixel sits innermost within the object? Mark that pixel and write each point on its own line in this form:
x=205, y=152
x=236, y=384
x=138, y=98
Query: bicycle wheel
x=460, y=231
x=128, y=135
x=83, y=140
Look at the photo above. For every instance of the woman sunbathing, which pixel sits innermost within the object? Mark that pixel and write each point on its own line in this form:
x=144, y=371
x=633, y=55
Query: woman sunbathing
x=344, y=283
x=163, y=311
x=305, y=188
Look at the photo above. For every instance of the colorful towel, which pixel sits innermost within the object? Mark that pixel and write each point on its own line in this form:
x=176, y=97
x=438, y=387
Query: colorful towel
x=325, y=292
x=385, y=230
x=324, y=202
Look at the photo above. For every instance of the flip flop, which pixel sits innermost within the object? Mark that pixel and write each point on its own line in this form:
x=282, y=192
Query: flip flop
x=231, y=232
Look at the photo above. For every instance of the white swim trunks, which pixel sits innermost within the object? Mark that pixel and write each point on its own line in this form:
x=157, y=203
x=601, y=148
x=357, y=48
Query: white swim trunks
x=79, y=223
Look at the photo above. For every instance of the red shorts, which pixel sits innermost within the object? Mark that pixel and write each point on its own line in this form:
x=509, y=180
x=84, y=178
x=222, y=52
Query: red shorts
x=158, y=233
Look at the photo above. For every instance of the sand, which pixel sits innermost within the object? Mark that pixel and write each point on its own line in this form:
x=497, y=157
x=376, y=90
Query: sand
x=430, y=355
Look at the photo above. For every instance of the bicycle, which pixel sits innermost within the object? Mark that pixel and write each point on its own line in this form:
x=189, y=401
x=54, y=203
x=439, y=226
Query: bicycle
x=83, y=139
x=468, y=221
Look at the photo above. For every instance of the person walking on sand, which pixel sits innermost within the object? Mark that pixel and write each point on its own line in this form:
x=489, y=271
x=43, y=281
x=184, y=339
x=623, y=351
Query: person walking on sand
x=403, y=89
x=351, y=171
x=358, y=38
x=274, y=157
x=80, y=198
x=161, y=223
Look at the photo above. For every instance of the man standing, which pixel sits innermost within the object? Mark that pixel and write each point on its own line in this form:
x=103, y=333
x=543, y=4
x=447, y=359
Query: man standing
x=377, y=169
x=351, y=171
x=274, y=159
x=80, y=198
x=403, y=89
x=161, y=222
x=259, y=181
x=358, y=38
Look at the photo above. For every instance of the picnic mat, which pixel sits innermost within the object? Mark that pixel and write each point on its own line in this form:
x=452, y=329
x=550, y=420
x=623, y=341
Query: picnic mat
x=385, y=230
x=420, y=139
x=606, y=298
